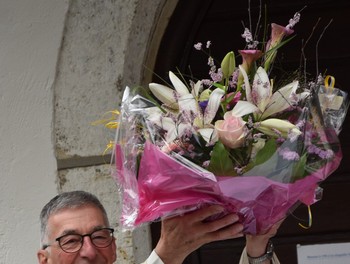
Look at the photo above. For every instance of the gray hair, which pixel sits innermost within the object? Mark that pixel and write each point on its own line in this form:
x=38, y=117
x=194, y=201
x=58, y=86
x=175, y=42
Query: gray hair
x=68, y=200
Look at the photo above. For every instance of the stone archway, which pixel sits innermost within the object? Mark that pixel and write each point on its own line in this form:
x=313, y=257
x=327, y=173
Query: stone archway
x=105, y=46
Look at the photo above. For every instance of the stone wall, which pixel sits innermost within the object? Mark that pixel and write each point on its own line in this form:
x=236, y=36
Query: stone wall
x=105, y=47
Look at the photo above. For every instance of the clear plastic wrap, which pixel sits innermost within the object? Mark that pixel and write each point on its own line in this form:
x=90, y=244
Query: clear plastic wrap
x=159, y=180
x=334, y=104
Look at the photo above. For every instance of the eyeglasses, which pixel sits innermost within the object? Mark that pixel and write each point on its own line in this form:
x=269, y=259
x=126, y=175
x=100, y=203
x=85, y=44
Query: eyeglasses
x=72, y=243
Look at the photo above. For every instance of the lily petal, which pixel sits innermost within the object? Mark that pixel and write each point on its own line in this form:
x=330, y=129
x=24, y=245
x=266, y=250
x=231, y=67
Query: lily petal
x=154, y=114
x=179, y=86
x=280, y=100
x=261, y=90
x=213, y=105
x=164, y=94
x=197, y=87
x=246, y=84
x=243, y=108
x=168, y=124
x=188, y=103
x=269, y=125
x=208, y=134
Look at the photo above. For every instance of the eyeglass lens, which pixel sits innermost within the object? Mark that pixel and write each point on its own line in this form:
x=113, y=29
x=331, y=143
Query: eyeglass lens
x=73, y=242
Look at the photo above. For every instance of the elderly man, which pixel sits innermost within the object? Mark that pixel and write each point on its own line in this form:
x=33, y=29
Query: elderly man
x=75, y=229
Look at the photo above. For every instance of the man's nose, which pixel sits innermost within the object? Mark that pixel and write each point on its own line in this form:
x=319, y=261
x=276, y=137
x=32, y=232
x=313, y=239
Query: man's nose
x=88, y=250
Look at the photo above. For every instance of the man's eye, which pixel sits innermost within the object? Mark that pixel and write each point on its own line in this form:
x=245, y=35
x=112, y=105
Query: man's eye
x=70, y=240
x=103, y=234
x=99, y=237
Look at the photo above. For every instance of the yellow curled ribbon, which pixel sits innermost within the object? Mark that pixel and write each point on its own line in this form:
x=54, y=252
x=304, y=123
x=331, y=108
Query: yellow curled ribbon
x=329, y=82
x=310, y=219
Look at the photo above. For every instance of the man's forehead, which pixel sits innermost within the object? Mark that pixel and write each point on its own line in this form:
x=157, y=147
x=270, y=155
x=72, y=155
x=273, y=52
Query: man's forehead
x=76, y=219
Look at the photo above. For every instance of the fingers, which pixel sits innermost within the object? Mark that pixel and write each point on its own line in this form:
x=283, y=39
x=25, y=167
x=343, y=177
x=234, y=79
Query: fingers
x=204, y=213
x=220, y=223
x=223, y=228
x=180, y=235
x=227, y=227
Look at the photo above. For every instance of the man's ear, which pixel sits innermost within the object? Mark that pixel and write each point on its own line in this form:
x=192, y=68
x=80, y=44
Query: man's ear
x=43, y=256
x=114, y=248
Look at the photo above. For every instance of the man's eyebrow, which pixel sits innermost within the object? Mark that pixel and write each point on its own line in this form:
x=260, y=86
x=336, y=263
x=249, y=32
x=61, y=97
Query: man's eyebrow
x=69, y=232
x=98, y=228
x=74, y=232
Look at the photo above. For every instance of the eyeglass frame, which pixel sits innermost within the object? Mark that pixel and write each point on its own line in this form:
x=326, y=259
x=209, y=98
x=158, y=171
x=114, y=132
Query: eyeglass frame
x=111, y=230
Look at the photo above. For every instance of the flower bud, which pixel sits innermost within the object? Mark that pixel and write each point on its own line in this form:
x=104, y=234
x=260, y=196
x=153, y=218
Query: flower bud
x=228, y=64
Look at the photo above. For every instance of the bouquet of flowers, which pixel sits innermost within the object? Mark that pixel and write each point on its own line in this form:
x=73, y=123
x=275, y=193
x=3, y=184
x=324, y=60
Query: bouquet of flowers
x=257, y=146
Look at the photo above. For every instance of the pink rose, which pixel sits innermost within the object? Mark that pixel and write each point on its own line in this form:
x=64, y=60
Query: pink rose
x=231, y=131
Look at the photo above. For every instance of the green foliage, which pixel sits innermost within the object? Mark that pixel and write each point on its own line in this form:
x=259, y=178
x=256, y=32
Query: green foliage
x=220, y=162
x=264, y=154
x=299, y=168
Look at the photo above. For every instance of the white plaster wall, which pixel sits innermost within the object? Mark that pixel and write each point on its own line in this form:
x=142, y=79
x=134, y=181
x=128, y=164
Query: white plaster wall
x=30, y=37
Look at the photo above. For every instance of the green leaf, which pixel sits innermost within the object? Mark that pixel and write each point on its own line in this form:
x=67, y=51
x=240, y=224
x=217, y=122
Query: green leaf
x=219, y=85
x=266, y=152
x=220, y=162
x=299, y=168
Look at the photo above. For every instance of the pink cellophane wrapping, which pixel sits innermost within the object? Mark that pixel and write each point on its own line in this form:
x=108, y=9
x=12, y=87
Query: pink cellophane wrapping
x=165, y=185
x=155, y=184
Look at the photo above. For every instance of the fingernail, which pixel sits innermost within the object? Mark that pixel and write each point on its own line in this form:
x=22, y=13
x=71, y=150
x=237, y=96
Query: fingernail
x=219, y=209
x=235, y=218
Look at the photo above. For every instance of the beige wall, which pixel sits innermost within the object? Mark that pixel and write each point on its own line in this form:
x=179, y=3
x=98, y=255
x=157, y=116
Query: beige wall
x=62, y=65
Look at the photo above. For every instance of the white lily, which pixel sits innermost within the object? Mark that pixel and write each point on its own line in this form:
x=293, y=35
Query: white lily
x=169, y=96
x=186, y=103
x=168, y=123
x=263, y=103
x=269, y=127
x=260, y=94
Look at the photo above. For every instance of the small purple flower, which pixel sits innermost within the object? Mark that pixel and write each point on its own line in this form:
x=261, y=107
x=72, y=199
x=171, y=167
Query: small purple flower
x=257, y=136
x=208, y=44
x=323, y=154
x=328, y=154
x=288, y=154
x=198, y=46
x=293, y=21
x=247, y=35
x=300, y=124
x=280, y=140
x=207, y=82
x=203, y=105
x=251, y=43
x=239, y=170
x=216, y=76
x=206, y=163
x=293, y=135
x=211, y=61
x=250, y=122
x=190, y=147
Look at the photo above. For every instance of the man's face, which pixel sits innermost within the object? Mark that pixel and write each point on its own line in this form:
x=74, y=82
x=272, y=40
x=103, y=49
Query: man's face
x=81, y=221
